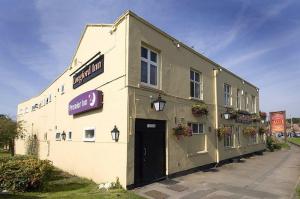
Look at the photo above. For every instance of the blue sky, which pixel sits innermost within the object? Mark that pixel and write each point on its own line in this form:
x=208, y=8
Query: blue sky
x=259, y=40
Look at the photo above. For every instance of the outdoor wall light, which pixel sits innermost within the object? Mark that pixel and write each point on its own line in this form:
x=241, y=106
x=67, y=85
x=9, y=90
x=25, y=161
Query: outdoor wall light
x=226, y=116
x=115, y=134
x=63, y=136
x=158, y=104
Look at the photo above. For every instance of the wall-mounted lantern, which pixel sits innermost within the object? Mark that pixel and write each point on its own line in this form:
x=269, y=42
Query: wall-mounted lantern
x=63, y=136
x=158, y=104
x=115, y=133
x=227, y=116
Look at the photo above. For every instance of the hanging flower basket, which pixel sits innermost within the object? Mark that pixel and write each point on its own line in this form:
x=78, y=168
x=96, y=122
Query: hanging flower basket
x=199, y=109
x=180, y=131
x=255, y=117
x=249, y=131
x=222, y=131
x=263, y=115
x=262, y=130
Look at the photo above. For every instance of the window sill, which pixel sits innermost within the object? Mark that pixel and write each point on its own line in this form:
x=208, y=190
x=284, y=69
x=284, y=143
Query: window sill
x=229, y=148
x=197, y=153
x=196, y=99
x=89, y=140
x=149, y=87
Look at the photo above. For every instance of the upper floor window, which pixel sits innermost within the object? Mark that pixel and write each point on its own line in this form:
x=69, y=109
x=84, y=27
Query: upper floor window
x=227, y=95
x=196, y=85
x=238, y=99
x=149, y=67
x=253, y=104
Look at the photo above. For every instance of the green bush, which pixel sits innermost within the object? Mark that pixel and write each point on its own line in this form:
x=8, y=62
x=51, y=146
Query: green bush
x=272, y=143
x=24, y=173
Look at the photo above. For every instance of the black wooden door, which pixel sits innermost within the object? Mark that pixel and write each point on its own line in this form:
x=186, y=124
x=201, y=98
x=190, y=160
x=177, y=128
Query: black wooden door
x=150, y=151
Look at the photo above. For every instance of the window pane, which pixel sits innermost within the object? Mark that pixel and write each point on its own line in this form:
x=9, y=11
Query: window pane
x=144, y=52
x=89, y=133
x=153, y=57
x=201, y=128
x=197, y=77
x=153, y=74
x=192, y=75
x=144, y=72
x=195, y=128
x=197, y=90
x=192, y=89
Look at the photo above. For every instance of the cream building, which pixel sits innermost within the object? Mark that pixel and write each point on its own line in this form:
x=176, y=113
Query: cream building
x=118, y=70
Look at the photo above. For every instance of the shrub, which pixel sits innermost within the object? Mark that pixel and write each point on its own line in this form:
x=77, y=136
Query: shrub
x=32, y=145
x=24, y=173
x=272, y=143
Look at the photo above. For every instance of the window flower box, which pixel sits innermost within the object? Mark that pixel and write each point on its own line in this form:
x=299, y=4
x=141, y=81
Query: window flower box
x=199, y=109
x=249, y=131
x=180, y=131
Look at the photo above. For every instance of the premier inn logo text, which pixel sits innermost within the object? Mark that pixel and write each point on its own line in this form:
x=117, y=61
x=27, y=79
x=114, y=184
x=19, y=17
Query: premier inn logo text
x=90, y=71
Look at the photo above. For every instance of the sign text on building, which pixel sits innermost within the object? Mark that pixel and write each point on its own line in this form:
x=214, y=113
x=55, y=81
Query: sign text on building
x=90, y=71
x=87, y=101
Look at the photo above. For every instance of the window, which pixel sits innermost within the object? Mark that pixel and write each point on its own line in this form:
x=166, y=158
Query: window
x=89, y=135
x=238, y=136
x=62, y=90
x=228, y=139
x=238, y=99
x=69, y=136
x=253, y=139
x=197, y=128
x=57, y=137
x=246, y=102
x=227, y=95
x=26, y=110
x=253, y=104
x=49, y=98
x=149, y=67
x=196, y=85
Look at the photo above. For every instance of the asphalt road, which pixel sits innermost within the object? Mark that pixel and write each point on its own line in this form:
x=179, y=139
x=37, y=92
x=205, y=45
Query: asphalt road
x=272, y=175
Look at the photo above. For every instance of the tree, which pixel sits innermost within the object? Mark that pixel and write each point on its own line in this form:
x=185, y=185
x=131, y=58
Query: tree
x=9, y=131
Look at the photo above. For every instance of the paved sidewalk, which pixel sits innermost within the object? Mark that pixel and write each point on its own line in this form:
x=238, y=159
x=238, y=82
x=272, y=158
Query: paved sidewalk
x=272, y=175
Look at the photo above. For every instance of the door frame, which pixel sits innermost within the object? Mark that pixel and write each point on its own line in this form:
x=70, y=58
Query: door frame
x=136, y=159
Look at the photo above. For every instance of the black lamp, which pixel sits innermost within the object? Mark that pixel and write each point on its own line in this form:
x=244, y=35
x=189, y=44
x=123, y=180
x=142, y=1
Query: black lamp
x=63, y=135
x=115, y=134
x=159, y=104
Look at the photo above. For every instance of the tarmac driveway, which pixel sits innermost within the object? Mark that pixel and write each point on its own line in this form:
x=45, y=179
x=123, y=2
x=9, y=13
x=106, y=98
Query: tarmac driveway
x=272, y=175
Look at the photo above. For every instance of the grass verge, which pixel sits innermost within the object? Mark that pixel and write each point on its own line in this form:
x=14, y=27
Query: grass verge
x=294, y=140
x=62, y=185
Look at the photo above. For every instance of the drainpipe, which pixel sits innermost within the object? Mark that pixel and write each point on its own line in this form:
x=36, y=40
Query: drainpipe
x=215, y=71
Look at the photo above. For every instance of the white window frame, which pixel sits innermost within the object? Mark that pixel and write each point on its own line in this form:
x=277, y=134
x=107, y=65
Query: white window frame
x=238, y=136
x=149, y=63
x=253, y=103
x=239, y=99
x=190, y=124
x=56, y=138
x=253, y=139
x=227, y=95
x=85, y=139
x=200, y=83
x=230, y=136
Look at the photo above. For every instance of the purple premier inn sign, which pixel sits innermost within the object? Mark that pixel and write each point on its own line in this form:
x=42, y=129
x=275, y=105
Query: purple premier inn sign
x=87, y=101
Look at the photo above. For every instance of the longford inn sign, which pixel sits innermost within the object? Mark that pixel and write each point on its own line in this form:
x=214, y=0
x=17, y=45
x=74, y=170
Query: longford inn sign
x=90, y=71
x=87, y=101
